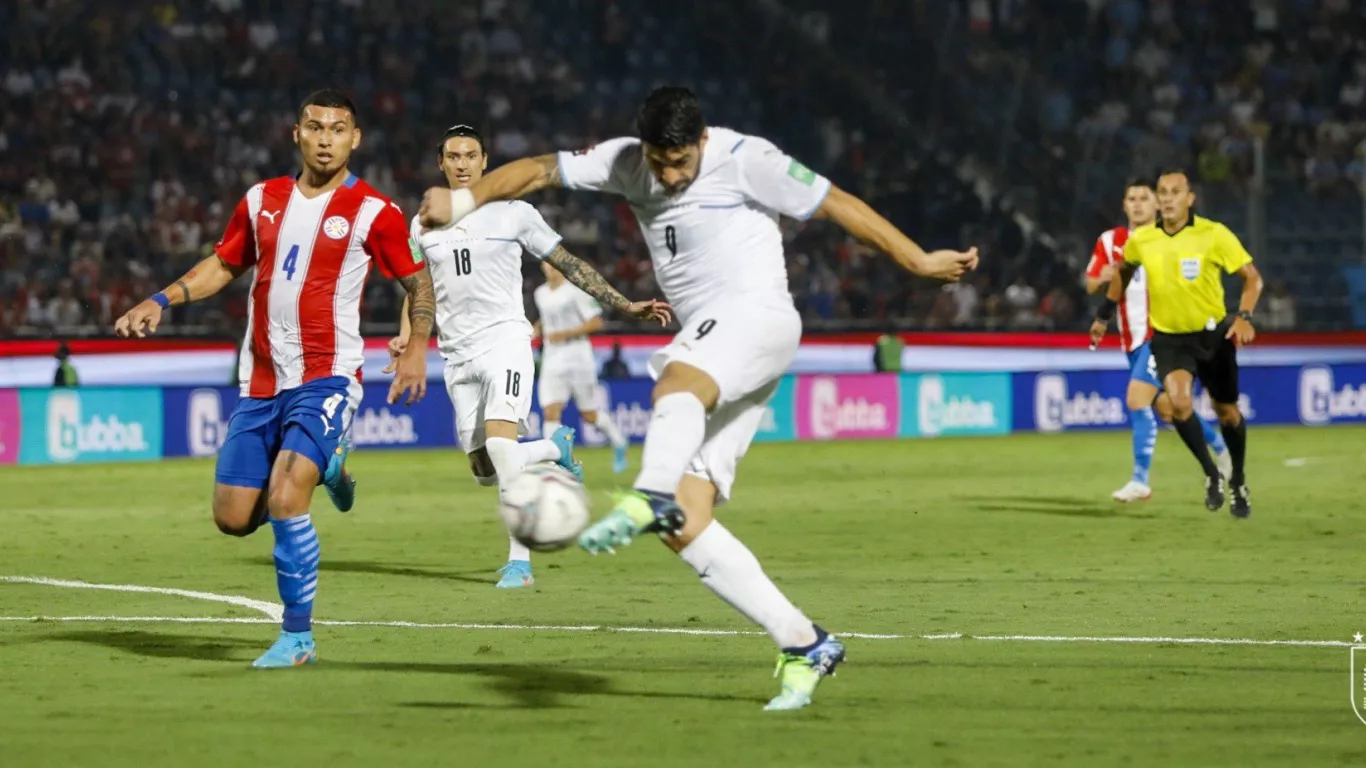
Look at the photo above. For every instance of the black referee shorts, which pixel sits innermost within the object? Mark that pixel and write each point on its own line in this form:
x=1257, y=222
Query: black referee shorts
x=1205, y=354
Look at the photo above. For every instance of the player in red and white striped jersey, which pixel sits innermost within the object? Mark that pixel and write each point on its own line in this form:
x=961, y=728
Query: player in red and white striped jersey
x=1140, y=206
x=309, y=241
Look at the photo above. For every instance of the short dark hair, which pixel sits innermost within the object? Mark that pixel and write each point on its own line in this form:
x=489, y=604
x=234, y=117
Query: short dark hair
x=329, y=97
x=671, y=117
x=1140, y=181
x=461, y=129
x=1175, y=169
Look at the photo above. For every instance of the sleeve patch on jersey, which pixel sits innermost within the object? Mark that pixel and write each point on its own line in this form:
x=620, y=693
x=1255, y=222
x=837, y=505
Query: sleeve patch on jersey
x=415, y=251
x=801, y=173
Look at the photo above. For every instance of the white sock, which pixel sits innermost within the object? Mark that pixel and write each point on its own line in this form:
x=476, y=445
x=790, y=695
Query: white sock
x=510, y=458
x=609, y=430
x=730, y=570
x=677, y=428
x=549, y=427
x=517, y=551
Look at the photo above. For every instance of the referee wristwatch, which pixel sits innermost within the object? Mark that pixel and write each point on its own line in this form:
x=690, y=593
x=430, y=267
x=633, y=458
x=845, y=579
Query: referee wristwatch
x=1246, y=315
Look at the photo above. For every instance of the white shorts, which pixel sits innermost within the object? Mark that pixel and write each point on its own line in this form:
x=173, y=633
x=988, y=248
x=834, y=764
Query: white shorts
x=746, y=349
x=559, y=385
x=494, y=386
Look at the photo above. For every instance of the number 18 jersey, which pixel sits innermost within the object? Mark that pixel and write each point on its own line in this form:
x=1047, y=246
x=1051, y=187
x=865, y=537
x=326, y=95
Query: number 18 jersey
x=476, y=267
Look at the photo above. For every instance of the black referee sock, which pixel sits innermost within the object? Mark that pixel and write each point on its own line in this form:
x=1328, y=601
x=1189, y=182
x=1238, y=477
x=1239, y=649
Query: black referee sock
x=1236, y=437
x=1194, y=437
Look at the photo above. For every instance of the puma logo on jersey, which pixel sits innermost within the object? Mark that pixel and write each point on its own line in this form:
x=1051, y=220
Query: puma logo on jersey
x=270, y=215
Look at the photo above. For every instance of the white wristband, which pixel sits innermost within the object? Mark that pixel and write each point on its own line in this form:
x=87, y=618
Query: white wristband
x=462, y=204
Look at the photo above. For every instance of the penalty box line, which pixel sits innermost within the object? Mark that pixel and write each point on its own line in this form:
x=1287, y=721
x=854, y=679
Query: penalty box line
x=271, y=613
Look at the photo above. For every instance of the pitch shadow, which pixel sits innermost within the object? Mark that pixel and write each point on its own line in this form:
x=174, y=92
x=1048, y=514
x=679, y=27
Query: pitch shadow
x=1060, y=506
x=384, y=569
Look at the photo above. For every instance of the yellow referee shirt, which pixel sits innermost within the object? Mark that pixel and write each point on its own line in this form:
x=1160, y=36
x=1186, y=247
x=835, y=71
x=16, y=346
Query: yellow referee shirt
x=1185, y=272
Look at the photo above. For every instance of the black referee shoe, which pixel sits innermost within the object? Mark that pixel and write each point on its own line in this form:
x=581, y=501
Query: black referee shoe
x=1214, y=493
x=1240, y=506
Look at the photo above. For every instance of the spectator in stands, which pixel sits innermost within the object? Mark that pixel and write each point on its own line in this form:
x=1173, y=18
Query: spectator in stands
x=1023, y=303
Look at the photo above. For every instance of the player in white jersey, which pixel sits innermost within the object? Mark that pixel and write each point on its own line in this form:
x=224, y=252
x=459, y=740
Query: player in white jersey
x=708, y=202
x=568, y=369
x=1145, y=391
x=483, y=333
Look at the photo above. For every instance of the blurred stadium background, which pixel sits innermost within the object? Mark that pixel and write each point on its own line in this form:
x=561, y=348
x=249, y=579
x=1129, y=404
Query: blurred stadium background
x=128, y=130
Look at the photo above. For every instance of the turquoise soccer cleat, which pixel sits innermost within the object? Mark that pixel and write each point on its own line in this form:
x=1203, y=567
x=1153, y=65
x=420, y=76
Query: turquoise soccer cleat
x=619, y=463
x=516, y=574
x=636, y=512
x=340, y=485
x=291, y=649
x=564, y=440
x=801, y=672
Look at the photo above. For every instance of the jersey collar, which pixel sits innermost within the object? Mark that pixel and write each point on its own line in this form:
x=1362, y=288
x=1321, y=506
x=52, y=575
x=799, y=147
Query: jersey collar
x=1190, y=222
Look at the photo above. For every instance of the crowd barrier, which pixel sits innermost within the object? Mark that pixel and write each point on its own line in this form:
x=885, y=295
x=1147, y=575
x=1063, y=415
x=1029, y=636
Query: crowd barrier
x=62, y=426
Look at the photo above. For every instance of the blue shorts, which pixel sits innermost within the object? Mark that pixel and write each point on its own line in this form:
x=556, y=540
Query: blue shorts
x=309, y=420
x=1143, y=366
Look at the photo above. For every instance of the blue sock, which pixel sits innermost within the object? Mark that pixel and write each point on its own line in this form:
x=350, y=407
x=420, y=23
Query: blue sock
x=1145, y=441
x=297, y=555
x=1213, y=436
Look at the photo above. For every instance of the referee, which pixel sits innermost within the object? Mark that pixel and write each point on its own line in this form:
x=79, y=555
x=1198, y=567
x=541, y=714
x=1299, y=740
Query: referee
x=1184, y=258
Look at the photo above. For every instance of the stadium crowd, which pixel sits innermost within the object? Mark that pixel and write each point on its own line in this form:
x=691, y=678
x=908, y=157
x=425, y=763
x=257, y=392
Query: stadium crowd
x=128, y=131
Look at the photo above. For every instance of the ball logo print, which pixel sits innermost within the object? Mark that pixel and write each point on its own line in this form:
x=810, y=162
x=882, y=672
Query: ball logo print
x=336, y=227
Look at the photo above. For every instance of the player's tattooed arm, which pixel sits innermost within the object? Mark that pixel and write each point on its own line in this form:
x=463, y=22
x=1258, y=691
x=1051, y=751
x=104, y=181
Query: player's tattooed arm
x=589, y=280
x=421, y=305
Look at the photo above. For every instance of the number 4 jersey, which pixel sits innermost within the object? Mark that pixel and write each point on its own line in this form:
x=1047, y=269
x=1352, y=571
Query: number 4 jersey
x=719, y=238
x=311, y=259
x=476, y=269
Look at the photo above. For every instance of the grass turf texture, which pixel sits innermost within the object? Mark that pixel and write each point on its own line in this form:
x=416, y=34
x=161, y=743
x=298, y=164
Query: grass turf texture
x=1011, y=536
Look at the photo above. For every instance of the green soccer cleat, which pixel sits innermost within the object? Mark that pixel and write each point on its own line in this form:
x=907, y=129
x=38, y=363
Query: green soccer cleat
x=636, y=512
x=801, y=671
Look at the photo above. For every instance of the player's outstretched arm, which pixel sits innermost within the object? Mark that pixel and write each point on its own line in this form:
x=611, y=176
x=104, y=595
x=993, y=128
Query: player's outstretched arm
x=517, y=179
x=860, y=220
x=410, y=369
x=207, y=278
x=591, y=282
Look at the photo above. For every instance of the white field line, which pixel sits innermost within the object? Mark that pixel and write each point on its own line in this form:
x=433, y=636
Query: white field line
x=272, y=611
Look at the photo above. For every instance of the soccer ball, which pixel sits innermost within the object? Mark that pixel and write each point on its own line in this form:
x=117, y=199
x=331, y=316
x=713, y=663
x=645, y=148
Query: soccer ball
x=545, y=508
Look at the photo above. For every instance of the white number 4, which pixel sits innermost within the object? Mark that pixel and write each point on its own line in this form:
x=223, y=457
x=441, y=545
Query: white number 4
x=330, y=405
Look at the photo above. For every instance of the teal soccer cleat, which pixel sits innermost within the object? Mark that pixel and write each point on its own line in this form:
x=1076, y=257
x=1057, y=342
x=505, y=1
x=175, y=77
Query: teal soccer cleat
x=636, y=512
x=801, y=671
x=564, y=440
x=340, y=485
x=291, y=649
x=516, y=574
x=619, y=463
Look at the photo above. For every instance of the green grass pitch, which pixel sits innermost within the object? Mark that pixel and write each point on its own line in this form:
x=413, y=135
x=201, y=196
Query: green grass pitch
x=990, y=538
